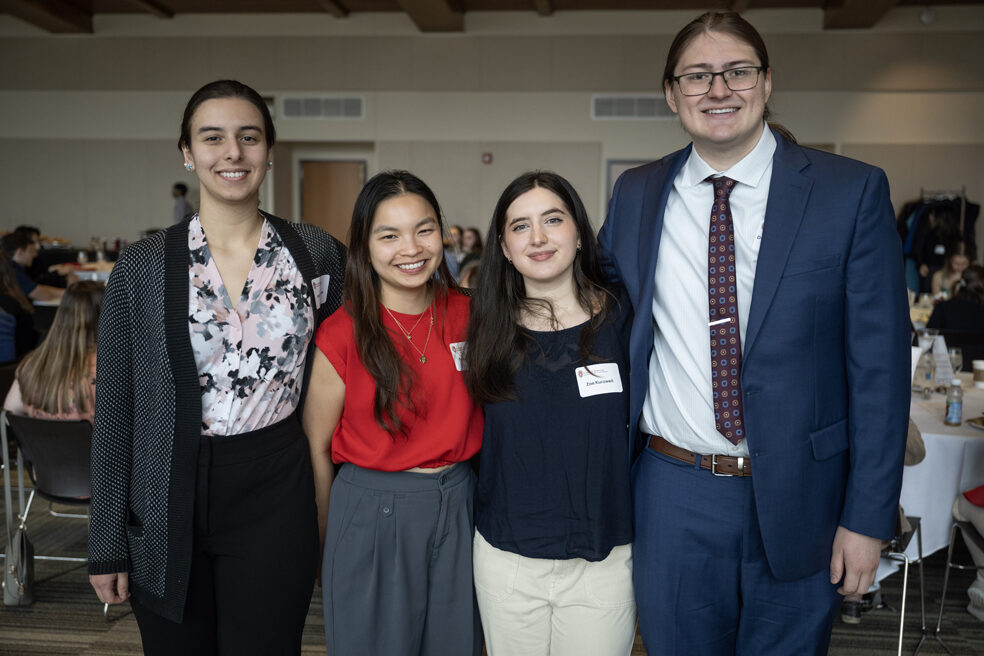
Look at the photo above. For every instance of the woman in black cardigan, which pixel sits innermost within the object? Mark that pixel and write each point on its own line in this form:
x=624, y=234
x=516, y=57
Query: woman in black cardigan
x=202, y=495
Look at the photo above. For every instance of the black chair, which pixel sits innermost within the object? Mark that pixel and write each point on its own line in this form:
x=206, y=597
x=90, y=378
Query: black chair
x=970, y=536
x=56, y=456
x=970, y=343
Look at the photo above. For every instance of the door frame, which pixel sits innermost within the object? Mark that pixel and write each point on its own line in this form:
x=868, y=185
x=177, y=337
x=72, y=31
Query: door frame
x=366, y=154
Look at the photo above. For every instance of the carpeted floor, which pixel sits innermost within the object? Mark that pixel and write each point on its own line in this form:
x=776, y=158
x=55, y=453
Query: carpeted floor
x=67, y=619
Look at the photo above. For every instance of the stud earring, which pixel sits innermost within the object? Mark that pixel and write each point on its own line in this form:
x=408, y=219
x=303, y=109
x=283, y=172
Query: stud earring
x=269, y=165
x=190, y=167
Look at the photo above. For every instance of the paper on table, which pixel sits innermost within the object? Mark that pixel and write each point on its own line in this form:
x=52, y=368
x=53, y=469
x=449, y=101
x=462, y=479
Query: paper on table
x=941, y=360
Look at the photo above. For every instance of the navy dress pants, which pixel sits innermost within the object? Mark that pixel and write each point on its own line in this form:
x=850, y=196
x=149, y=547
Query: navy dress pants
x=702, y=582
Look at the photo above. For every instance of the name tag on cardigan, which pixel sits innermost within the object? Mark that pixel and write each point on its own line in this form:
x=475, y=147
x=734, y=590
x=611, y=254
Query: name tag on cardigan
x=598, y=379
x=321, y=289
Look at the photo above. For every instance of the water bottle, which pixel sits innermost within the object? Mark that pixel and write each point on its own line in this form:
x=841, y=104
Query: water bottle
x=954, y=404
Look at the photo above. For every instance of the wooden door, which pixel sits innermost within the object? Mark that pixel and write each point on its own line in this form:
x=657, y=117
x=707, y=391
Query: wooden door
x=328, y=193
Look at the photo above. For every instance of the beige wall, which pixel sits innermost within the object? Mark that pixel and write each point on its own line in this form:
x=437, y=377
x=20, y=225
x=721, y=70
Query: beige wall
x=88, y=123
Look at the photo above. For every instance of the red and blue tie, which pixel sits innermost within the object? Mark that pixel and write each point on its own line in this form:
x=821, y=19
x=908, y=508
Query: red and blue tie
x=722, y=283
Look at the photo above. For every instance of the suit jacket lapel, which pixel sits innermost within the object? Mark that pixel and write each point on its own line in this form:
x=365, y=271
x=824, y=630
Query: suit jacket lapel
x=657, y=191
x=789, y=192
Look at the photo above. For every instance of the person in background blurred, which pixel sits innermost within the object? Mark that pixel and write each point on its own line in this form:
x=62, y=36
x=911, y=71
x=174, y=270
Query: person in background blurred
x=22, y=250
x=182, y=207
x=965, y=311
x=471, y=244
x=946, y=281
x=16, y=305
x=58, y=379
x=453, y=245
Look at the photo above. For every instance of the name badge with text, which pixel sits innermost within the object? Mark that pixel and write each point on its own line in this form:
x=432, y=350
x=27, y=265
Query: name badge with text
x=320, y=285
x=598, y=379
x=458, y=353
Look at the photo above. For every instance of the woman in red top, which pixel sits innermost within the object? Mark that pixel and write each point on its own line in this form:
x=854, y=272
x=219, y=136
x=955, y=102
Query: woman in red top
x=388, y=403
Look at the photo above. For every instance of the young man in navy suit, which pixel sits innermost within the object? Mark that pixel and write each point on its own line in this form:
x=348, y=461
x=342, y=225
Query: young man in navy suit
x=769, y=365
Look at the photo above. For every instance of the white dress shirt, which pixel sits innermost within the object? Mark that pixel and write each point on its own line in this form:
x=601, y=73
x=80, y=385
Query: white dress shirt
x=679, y=404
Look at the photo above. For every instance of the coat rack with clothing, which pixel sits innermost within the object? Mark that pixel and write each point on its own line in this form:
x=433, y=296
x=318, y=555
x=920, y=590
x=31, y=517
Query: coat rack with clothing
x=931, y=226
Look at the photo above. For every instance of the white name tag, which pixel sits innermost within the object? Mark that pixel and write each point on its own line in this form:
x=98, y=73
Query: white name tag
x=598, y=379
x=458, y=353
x=320, y=285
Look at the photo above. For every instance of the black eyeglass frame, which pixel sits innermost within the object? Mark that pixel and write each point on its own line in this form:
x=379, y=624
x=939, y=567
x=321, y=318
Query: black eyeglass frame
x=758, y=73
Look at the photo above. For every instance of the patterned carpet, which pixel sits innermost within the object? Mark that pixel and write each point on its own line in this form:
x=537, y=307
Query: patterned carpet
x=67, y=619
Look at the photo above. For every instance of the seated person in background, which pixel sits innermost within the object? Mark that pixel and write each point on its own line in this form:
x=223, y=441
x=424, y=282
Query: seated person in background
x=946, y=281
x=21, y=250
x=15, y=304
x=58, y=379
x=965, y=311
x=969, y=507
x=57, y=275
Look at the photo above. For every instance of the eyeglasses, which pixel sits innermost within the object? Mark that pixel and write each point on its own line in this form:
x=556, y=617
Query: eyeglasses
x=736, y=79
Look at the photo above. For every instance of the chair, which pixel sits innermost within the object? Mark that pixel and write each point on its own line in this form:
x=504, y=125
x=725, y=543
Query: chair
x=970, y=536
x=895, y=550
x=56, y=456
x=970, y=343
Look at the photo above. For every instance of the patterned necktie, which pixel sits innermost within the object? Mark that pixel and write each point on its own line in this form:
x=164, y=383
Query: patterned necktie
x=722, y=283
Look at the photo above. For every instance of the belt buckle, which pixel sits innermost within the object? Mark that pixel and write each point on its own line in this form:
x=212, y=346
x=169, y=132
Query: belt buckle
x=714, y=471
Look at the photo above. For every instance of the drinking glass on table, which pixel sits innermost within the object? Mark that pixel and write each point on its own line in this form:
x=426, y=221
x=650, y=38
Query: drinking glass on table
x=956, y=358
x=926, y=337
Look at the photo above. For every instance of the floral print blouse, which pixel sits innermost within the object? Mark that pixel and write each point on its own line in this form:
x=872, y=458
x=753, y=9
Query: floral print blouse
x=250, y=359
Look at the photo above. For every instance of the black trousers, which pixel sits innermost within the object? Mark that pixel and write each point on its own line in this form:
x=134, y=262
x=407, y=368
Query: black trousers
x=255, y=549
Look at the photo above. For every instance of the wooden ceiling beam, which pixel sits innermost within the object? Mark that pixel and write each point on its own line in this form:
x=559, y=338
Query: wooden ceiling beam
x=856, y=14
x=434, y=15
x=158, y=9
x=54, y=16
x=336, y=9
x=543, y=7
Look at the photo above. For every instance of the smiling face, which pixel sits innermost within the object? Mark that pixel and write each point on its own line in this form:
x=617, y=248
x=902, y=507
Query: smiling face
x=540, y=238
x=725, y=125
x=228, y=151
x=405, y=247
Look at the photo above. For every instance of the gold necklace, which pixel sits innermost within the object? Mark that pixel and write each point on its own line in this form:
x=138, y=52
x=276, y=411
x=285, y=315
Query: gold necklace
x=408, y=334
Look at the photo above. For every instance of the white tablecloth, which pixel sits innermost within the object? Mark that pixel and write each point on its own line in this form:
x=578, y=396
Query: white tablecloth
x=954, y=463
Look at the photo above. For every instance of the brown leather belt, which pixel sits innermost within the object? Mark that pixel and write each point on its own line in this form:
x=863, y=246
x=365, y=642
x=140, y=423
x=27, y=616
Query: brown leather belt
x=718, y=465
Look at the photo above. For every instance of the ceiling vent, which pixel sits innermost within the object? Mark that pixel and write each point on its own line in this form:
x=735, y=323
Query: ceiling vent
x=336, y=107
x=629, y=107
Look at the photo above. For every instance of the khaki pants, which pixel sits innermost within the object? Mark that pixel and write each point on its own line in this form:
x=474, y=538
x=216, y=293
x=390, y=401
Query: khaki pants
x=543, y=607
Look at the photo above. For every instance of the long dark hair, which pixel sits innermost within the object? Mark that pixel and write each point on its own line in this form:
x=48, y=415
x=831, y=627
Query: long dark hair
x=972, y=284
x=373, y=342
x=732, y=24
x=497, y=343
x=226, y=89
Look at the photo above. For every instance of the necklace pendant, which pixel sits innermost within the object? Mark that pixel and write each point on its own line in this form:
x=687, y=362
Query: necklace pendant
x=423, y=359
x=409, y=338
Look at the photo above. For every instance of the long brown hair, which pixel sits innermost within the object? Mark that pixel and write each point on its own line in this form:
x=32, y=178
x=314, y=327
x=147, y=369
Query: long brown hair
x=972, y=284
x=497, y=343
x=55, y=376
x=732, y=24
x=373, y=342
x=9, y=286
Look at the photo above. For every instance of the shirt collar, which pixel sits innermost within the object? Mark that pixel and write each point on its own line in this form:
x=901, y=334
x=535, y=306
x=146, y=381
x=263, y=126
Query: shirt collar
x=748, y=171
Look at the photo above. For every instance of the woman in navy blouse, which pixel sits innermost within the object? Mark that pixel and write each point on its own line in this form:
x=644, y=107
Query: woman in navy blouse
x=547, y=356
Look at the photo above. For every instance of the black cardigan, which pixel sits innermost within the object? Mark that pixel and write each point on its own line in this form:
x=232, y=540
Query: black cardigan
x=147, y=429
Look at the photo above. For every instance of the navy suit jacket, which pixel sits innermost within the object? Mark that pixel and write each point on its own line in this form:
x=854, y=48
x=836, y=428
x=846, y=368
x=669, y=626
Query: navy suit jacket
x=825, y=369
